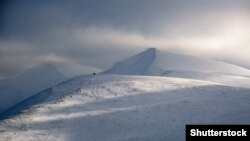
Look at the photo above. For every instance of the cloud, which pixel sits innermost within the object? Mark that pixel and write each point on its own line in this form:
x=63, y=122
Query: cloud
x=233, y=37
x=99, y=33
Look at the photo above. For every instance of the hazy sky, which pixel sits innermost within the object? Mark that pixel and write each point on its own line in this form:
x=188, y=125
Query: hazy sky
x=101, y=32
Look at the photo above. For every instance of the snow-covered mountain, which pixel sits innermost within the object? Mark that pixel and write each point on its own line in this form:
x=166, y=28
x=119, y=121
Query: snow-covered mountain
x=145, y=102
x=37, y=79
x=120, y=107
x=159, y=62
x=155, y=62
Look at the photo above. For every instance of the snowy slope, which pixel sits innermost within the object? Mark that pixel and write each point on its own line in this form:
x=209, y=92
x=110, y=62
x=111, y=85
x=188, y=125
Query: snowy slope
x=125, y=108
x=223, y=78
x=154, y=62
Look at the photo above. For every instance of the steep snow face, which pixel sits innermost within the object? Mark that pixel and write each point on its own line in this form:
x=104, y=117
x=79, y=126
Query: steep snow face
x=32, y=81
x=135, y=65
x=116, y=107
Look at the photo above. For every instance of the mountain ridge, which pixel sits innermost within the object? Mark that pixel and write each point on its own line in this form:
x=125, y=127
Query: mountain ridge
x=162, y=61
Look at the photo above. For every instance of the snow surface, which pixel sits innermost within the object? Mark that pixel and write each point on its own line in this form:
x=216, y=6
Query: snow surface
x=223, y=78
x=124, y=108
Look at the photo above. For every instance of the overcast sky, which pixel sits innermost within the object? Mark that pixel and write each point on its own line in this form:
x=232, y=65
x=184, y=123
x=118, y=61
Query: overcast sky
x=101, y=32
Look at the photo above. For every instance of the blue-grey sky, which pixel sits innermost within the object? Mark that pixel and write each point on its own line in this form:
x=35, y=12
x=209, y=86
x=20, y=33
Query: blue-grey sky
x=101, y=32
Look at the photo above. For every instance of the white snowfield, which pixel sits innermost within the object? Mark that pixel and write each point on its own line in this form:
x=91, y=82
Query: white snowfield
x=124, y=108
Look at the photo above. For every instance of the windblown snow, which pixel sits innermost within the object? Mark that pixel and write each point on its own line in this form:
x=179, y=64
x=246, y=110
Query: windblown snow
x=150, y=96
